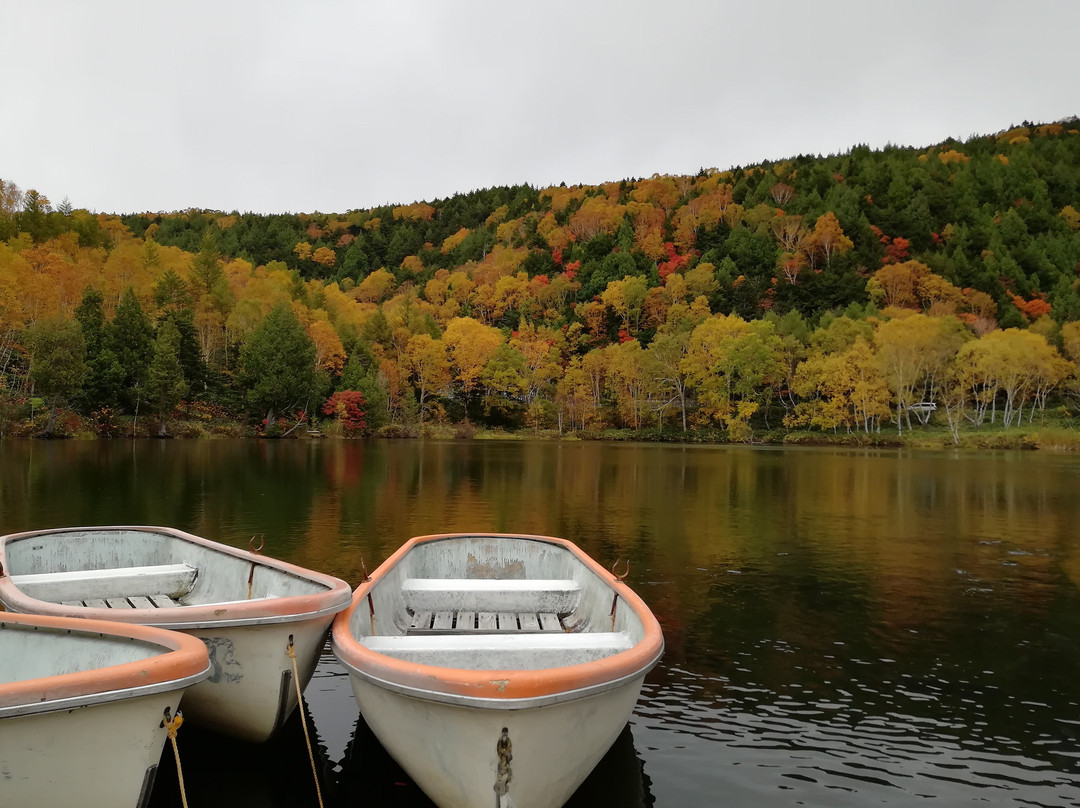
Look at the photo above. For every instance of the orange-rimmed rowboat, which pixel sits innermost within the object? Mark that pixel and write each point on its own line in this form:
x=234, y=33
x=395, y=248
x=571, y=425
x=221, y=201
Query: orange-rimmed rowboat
x=496, y=668
x=82, y=708
x=252, y=612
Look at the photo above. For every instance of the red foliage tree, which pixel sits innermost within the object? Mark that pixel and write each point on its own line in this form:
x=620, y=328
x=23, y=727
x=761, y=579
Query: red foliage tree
x=1032, y=309
x=674, y=260
x=347, y=407
x=896, y=249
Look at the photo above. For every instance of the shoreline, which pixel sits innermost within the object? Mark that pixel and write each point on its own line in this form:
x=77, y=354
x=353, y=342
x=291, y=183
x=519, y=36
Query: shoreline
x=1059, y=437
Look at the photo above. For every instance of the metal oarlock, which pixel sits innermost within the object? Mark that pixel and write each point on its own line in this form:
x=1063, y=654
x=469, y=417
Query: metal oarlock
x=615, y=596
x=256, y=551
x=370, y=602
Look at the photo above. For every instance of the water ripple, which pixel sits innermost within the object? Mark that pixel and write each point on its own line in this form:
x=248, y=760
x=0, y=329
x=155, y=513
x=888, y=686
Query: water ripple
x=813, y=750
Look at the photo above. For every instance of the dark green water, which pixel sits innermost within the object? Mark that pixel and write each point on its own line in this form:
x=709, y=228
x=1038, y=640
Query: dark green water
x=843, y=628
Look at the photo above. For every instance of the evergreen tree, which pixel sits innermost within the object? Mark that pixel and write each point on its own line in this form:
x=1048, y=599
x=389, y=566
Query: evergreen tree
x=206, y=269
x=171, y=293
x=377, y=329
x=166, y=376
x=376, y=411
x=196, y=373
x=352, y=374
x=90, y=315
x=35, y=216
x=131, y=338
x=277, y=364
x=104, y=377
x=57, y=362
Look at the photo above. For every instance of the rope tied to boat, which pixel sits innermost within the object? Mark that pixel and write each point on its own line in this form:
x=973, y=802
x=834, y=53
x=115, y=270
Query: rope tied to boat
x=255, y=551
x=505, y=752
x=172, y=724
x=290, y=649
x=615, y=596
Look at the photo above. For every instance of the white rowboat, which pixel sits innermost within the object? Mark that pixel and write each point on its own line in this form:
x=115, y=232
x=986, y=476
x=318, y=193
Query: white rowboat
x=81, y=709
x=496, y=666
x=249, y=610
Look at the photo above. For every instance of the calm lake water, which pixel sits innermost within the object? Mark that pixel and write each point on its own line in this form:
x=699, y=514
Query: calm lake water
x=843, y=628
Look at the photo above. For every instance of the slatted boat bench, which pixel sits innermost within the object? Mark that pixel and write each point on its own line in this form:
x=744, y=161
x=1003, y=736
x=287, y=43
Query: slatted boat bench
x=461, y=605
x=153, y=587
x=500, y=623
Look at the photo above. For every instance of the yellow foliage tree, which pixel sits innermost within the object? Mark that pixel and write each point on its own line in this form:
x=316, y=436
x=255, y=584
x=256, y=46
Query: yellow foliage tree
x=471, y=345
x=596, y=215
x=913, y=353
x=844, y=389
x=828, y=238
x=426, y=361
x=329, y=352
x=1015, y=365
x=375, y=287
x=450, y=243
x=626, y=298
x=413, y=264
x=709, y=365
x=324, y=256
x=416, y=212
x=628, y=380
x=657, y=190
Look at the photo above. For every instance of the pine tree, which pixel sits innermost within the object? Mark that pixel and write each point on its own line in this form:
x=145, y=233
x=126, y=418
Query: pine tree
x=277, y=364
x=166, y=377
x=131, y=338
x=206, y=270
x=104, y=377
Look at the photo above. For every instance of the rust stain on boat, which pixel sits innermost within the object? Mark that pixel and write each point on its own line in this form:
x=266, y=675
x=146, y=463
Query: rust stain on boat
x=490, y=568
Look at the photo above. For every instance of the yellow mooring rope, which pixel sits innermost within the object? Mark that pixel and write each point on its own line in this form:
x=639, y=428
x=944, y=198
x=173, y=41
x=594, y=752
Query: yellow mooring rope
x=291, y=651
x=172, y=725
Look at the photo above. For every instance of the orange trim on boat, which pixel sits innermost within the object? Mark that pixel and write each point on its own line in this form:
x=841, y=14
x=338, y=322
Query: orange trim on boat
x=500, y=684
x=181, y=656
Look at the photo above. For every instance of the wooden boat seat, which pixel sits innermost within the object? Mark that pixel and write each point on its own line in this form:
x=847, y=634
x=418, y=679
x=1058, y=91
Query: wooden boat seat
x=133, y=602
x=479, y=605
x=159, y=586
x=470, y=622
x=500, y=651
x=551, y=596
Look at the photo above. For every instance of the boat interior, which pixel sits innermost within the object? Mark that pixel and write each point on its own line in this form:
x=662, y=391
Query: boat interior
x=495, y=603
x=141, y=569
x=31, y=652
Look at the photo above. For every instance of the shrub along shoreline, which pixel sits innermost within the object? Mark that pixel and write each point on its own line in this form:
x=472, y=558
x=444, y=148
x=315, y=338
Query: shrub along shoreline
x=1048, y=433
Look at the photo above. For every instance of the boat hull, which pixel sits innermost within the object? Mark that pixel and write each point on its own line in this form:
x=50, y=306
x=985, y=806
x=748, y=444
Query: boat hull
x=82, y=708
x=95, y=756
x=250, y=692
x=451, y=751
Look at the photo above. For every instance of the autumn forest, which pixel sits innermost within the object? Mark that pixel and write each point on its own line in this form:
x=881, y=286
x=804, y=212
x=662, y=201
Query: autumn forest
x=867, y=296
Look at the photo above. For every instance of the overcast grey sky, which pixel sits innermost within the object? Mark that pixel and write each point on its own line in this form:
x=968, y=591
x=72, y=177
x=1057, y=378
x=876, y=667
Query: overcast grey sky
x=276, y=106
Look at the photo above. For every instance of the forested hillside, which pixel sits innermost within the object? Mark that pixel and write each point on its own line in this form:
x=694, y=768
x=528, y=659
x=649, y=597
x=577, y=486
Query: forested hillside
x=853, y=292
